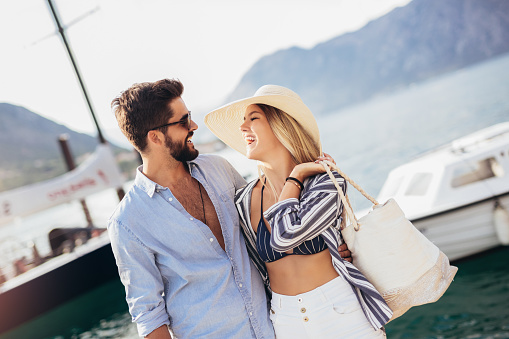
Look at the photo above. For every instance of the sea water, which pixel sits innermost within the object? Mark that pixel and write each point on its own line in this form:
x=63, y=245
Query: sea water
x=367, y=141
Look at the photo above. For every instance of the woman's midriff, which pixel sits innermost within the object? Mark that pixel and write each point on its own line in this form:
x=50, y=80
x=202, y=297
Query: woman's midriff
x=296, y=274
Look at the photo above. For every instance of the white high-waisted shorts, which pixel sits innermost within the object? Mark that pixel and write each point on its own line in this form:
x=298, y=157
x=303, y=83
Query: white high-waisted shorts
x=329, y=311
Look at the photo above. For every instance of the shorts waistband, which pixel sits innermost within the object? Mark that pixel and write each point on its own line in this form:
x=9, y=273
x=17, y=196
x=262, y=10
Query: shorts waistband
x=313, y=298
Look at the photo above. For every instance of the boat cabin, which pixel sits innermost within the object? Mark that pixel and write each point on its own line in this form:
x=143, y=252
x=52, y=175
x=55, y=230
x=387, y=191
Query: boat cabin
x=468, y=170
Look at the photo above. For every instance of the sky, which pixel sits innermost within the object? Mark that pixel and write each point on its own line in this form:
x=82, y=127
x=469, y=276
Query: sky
x=208, y=45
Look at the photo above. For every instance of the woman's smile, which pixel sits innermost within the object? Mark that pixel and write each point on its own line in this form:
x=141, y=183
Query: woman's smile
x=257, y=134
x=250, y=141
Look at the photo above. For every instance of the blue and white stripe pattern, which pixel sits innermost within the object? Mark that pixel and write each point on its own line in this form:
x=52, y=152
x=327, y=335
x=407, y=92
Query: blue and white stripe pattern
x=268, y=254
x=294, y=221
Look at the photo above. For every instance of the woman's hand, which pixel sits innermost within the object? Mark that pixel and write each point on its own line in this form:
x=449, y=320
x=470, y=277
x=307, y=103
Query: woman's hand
x=326, y=157
x=308, y=169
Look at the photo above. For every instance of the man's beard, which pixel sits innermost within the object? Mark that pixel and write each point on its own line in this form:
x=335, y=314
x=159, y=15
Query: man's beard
x=180, y=151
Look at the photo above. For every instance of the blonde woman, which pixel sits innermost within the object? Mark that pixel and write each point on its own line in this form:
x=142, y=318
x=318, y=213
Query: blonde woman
x=291, y=218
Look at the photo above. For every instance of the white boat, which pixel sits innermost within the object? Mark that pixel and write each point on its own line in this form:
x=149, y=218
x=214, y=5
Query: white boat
x=458, y=194
x=81, y=258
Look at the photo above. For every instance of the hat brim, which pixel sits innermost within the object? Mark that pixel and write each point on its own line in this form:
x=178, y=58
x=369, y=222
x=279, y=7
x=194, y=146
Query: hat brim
x=225, y=121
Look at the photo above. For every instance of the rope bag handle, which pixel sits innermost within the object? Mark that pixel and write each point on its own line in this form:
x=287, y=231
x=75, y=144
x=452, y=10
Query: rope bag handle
x=348, y=208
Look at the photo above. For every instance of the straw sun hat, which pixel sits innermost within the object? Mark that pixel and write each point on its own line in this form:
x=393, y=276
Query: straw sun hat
x=225, y=121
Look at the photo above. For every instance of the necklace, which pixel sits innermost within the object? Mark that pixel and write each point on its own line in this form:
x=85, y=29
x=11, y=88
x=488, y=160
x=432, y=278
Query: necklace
x=202, y=205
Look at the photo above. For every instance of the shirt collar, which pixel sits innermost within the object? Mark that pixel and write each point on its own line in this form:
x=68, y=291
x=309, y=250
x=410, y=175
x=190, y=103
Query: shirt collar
x=149, y=186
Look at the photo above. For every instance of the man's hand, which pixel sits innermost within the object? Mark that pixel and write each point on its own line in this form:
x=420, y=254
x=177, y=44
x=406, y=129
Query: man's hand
x=345, y=253
x=160, y=333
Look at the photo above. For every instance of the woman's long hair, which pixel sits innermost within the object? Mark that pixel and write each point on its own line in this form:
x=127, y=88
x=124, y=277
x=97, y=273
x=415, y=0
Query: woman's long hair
x=294, y=138
x=292, y=135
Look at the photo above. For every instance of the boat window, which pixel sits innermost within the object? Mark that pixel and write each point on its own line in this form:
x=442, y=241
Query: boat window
x=419, y=184
x=469, y=173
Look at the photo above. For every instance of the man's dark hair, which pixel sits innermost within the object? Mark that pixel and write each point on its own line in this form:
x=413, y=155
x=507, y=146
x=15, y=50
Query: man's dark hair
x=144, y=106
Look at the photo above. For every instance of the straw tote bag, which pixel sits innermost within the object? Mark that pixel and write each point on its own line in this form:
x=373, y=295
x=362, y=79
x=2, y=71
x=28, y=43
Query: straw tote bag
x=404, y=266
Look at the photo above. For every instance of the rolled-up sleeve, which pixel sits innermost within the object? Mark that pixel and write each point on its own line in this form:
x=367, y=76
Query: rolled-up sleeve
x=141, y=278
x=294, y=221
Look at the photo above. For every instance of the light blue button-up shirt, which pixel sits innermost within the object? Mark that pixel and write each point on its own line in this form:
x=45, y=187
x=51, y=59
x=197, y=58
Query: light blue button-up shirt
x=174, y=270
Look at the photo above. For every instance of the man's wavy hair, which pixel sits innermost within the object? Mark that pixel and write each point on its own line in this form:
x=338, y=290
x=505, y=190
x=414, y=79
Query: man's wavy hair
x=144, y=106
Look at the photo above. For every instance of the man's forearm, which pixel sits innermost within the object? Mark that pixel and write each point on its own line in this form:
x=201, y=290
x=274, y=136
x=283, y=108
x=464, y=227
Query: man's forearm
x=160, y=333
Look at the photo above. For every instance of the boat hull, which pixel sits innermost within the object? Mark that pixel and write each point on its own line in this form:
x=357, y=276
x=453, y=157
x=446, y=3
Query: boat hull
x=63, y=283
x=463, y=231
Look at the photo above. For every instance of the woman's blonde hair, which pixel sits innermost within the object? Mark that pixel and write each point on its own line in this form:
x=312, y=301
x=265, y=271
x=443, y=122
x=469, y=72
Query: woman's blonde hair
x=295, y=139
x=292, y=135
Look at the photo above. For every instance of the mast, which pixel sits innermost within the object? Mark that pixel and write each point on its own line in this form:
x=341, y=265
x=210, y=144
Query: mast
x=120, y=190
x=75, y=65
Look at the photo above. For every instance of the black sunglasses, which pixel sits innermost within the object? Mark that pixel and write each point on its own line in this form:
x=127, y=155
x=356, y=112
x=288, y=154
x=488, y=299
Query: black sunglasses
x=185, y=122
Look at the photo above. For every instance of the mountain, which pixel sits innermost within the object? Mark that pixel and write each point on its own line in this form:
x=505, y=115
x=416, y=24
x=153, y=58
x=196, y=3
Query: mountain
x=424, y=39
x=29, y=150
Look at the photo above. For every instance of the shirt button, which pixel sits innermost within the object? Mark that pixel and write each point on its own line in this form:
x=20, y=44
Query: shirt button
x=191, y=219
x=250, y=313
x=240, y=285
x=299, y=300
x=211, y=239
x=306, y=319
x=303, y=310
x=170, y=199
